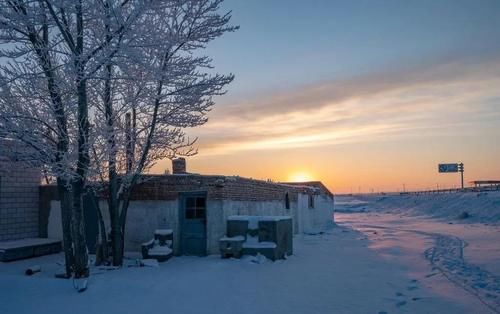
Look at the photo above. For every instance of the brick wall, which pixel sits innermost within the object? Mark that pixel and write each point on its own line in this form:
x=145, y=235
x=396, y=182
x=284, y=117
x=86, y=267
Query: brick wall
x=18, y=200
x=167, y=187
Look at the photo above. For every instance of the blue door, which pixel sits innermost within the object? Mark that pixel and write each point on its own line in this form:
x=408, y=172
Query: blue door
x=193, y=218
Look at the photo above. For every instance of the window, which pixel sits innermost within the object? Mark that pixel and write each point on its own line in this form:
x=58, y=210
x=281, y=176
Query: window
x=311, y=201
x=287, y=201
x=195, y=207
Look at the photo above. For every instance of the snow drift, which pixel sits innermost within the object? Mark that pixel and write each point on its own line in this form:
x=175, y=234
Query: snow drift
x=466, y=207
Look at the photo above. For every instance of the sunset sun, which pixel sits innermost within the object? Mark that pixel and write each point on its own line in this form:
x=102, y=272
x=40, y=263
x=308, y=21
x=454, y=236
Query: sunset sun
x=300, y=177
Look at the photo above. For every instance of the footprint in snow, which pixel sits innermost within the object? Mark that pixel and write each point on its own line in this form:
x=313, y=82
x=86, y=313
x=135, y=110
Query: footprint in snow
x=400, y=304
x=399, y=294
x=382, y=312
x=481, y=285
x=411, y=288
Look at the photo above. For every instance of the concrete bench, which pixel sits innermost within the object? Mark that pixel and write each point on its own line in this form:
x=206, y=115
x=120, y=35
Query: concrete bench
x=159, y=248
x=28, y=248
x=231, y=246
x=271, y=236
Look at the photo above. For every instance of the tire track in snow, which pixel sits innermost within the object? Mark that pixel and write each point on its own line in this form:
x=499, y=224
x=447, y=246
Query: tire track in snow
x=447, y=256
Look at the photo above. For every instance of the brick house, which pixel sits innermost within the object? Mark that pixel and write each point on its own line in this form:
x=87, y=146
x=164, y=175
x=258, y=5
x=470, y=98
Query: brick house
x=196, y=208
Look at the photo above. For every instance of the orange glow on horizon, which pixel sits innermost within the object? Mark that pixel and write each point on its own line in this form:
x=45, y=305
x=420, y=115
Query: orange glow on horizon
x=300, y=176
x=361, y=135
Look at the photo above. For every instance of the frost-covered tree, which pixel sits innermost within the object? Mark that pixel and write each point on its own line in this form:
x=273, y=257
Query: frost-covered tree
x=158, y=86
x=101, y=90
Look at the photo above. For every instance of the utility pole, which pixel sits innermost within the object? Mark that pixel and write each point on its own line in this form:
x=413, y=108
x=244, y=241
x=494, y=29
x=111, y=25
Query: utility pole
x=461, y=169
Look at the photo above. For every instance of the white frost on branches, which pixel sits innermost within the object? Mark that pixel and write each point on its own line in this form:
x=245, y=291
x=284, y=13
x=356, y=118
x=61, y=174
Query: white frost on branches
x=100, y=90
x=155, y=76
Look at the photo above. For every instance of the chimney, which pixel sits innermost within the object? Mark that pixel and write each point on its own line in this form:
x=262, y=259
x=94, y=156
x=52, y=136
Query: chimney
x=178, y=166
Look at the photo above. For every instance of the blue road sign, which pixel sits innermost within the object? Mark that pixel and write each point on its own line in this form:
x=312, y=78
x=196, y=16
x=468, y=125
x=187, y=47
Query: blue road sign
x=448, y=168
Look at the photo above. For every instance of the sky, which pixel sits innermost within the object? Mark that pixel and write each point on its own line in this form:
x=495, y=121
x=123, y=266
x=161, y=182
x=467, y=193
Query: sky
x=361, y=95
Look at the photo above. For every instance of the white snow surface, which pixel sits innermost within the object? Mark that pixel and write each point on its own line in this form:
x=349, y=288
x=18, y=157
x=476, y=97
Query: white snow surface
x=253, y=243
x=259, y=218
x=460, y=261
x=253, y=221
x=480, y=206
x=259, y=245
x=235, y=238
x=26, y=242
x=149, y=262
x=160, y=250
x=164, y=231
x=457, y=257
x=333, y=272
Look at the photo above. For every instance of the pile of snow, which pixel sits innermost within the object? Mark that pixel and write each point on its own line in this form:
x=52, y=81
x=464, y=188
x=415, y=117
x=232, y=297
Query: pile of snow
x=252, y=242
x=163, y=232
x=159, y=250
x=235, y=239
x=255, y=219
x=461, y=206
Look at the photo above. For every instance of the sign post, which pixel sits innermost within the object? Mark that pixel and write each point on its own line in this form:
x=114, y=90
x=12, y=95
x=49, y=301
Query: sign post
x=461, y=169
x=457, y=167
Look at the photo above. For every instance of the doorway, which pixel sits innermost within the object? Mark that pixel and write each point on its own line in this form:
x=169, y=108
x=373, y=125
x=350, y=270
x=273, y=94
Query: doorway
x=193, y=219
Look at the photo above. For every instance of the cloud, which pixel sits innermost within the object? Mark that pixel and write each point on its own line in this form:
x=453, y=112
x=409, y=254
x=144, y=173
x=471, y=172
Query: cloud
x=409, y=102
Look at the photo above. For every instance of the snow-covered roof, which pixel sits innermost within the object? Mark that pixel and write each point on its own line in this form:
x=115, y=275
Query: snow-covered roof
x=310, y=184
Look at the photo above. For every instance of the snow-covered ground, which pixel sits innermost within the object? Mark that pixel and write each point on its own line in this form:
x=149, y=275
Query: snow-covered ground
x=454, y=257
x=333, y=272
x=386, y=255
x=481, y=207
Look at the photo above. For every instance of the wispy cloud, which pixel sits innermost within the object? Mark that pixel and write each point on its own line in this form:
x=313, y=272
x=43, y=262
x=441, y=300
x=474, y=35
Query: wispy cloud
x=412, y=102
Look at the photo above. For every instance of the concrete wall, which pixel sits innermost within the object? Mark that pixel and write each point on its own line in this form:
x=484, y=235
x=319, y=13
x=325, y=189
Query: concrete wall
x=215, y=216
x=304, y=215
x=143, y=218
x=323, y=213
x=18, y=200
x=54, y=225
x=318, y=217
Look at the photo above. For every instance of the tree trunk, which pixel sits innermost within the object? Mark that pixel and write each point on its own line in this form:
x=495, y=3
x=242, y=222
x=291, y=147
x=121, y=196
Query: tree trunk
x=121, y=220
x=66, y=208
x=114, y=213
x=102, y=251
x=118, y=239
x=116, y=230
x=81, y=267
